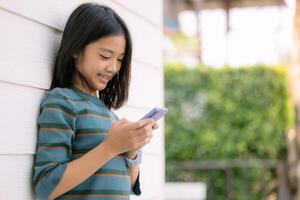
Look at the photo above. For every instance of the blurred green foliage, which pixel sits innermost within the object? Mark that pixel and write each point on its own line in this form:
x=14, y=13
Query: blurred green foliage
x=228, y=113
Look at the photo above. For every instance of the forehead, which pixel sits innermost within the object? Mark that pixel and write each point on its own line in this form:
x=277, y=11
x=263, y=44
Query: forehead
x=112, y=44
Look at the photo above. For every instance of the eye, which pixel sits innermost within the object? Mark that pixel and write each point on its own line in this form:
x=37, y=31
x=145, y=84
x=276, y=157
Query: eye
x=120, y=60
x=104, y=57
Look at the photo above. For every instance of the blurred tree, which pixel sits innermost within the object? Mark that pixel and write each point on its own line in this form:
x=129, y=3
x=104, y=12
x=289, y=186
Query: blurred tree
x=225, y=114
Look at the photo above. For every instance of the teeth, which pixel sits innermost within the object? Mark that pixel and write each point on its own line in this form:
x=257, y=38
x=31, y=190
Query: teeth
x=105, y=77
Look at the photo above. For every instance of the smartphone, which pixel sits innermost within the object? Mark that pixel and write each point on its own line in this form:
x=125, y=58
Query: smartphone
x=156, y=113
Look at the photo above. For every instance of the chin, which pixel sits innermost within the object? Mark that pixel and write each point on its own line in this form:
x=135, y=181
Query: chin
x=100, y=87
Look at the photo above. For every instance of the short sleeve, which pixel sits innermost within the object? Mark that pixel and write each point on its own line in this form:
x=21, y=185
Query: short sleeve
x=56, y=125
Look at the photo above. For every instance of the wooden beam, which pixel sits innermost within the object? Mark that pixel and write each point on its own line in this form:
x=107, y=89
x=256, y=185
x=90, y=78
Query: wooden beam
x=217, y=4
x=225, y=164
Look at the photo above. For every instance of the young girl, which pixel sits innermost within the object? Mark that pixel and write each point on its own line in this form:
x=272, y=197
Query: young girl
x=83, y=150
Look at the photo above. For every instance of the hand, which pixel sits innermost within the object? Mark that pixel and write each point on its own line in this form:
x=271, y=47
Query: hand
x=155, y=126
x=132, y=154
x=129, y=154
x=125, y=136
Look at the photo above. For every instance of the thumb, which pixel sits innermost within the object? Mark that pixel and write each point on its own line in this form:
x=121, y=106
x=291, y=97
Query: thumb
x=123, y=121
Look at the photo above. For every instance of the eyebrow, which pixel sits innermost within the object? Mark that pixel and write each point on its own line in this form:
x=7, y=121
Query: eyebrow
x=110, y=51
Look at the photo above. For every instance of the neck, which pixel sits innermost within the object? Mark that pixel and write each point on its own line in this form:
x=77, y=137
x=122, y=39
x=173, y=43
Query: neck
x=78, y=84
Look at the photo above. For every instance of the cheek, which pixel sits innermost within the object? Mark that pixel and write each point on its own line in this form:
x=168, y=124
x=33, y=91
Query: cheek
x=90, y=65
x=95, y=62
x=119, y=66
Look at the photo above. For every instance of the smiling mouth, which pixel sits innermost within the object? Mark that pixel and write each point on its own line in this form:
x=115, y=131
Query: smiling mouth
x=104, y=78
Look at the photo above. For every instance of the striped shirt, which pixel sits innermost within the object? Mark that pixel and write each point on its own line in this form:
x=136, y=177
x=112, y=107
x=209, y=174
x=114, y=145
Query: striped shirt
x=70, y=123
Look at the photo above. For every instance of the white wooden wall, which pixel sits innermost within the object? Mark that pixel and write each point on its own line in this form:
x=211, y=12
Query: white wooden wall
x=29, y=37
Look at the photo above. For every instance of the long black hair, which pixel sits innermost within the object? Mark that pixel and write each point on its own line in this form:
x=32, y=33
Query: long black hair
x=88, y=23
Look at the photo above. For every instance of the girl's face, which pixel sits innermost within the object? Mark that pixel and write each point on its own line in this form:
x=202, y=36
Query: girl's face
x=99, y=61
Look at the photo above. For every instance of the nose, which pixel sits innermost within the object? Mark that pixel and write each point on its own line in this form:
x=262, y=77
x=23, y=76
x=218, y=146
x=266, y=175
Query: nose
x=113, y=66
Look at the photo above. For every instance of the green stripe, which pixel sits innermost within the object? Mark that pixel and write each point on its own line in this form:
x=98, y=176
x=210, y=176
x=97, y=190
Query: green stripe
x=38, y=178
x=113, y=192
x=75, y=151
x=38, y=164
x=61, y=107
x=113, y=171
x=53, y=145
x=54, y=125
x=92, y=130
x=87, y=111
x=85, y=150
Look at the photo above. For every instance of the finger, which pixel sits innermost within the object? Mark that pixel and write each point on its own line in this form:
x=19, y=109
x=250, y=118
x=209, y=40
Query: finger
x=155, y=126
x=142, y=123
x=144, y=131
x=144, y=139
x=123, y=121
x=130, y=126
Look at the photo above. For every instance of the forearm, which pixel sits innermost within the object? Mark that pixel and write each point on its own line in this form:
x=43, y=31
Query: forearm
x=134, y=172
x=80, y=169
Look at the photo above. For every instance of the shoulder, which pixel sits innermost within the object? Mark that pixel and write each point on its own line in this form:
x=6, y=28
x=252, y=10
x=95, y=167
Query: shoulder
x=58, y=91
x=58, y=96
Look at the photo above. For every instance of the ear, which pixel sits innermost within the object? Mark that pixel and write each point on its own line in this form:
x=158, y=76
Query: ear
x=76, y=55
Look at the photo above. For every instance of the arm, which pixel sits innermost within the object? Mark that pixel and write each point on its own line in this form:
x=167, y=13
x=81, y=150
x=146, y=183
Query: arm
x=134, y=171
x=83, y=167
x=56, y=125
x=53, y=170
x=94, y=160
